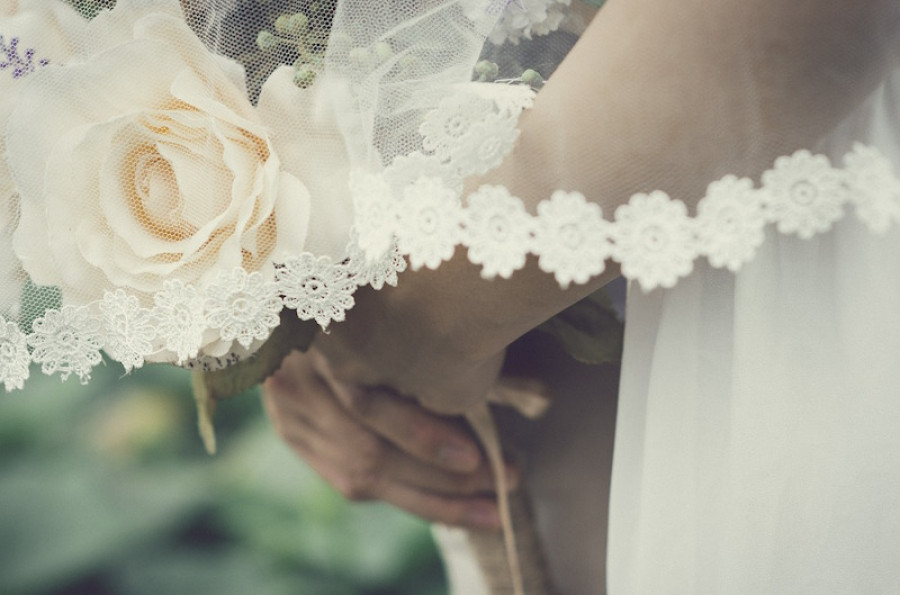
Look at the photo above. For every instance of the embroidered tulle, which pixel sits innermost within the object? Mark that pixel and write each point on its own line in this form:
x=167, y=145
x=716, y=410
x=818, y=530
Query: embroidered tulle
x=316, y=183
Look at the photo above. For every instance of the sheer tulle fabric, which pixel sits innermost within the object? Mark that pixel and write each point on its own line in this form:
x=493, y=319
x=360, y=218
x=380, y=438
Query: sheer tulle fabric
x=756, y=447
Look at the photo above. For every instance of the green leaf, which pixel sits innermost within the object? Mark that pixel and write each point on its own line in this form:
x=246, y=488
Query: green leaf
x=209, y=387
x=590, y=330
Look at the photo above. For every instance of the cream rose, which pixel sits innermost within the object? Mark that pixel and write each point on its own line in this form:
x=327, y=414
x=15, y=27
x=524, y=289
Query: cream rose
x=144, y=163
x=33, y=34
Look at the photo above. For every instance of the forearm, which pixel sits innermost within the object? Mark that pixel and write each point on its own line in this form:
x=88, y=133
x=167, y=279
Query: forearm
x=671, y=96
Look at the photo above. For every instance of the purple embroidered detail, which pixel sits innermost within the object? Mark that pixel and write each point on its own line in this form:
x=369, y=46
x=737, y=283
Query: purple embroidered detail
x=19, y=65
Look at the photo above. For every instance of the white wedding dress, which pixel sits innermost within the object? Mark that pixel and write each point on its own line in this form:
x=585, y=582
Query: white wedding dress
x=757, y=445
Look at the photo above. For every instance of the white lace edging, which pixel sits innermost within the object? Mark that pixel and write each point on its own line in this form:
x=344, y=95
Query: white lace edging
x=239, y=309
x=652, y=237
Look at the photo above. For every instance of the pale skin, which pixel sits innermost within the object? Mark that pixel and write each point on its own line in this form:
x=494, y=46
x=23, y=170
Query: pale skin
x=782, y=74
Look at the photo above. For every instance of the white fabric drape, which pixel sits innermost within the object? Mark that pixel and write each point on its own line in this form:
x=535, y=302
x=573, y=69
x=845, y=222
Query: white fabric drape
x=757, y=446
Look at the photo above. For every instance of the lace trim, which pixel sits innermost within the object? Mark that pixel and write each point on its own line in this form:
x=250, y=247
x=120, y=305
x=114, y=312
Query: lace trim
x=240, y=308
x=653, y=238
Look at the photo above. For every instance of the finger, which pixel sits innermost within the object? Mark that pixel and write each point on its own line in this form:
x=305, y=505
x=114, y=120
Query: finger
x=472, y=512
x=426, y=436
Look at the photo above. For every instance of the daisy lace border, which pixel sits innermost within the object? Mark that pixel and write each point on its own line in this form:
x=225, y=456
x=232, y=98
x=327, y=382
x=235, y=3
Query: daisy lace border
x=652, y=236
x=236, y=313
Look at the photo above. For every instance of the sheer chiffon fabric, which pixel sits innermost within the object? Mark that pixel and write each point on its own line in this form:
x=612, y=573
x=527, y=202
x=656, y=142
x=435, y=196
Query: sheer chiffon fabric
x=756, y=443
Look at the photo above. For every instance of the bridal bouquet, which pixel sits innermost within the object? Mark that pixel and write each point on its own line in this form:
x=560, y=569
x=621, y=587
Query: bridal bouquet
x=173, y=217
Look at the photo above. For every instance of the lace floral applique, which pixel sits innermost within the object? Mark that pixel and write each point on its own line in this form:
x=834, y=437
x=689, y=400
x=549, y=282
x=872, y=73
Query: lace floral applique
x=446, y=127
x=877, y=189
x=497, y=231
x=244, y=306
x=730, y=223
x=570, y=238
x=654, y=240
x=428, y=223
x=803, y=194
x=14, y=356
x=182, y=321
x=377, y=273
x=316, y=288
x=485, y=145
x=130, y=329
x=66, y=341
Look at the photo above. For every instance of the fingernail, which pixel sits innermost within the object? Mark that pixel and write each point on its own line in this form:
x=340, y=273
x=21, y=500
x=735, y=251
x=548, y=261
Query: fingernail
x=483, y=515
x=458, y=456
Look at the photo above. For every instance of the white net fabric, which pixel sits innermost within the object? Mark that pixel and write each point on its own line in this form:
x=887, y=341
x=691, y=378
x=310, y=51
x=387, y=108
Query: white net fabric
x=178, y=173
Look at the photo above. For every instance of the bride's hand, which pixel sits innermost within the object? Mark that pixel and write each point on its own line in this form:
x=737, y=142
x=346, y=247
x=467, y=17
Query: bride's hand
x=376, y=445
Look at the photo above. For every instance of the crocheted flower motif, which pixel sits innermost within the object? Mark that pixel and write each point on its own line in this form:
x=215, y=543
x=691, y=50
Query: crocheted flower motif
x=377, y=273
x=375, y=214
x=243, y=306
x=66, y=341
x=485, y=145
x=129, y=329
x=497, y=231
x=180, y=312
x=654, y=240
x=14, y=356
x=443, y=128
x=570, y=238
x=875, y=188
x=730, y=223
x=316, y=288
x=428, y=223
x=803, y=194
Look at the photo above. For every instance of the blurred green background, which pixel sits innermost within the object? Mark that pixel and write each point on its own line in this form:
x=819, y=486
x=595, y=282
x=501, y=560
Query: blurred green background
x=105, y=489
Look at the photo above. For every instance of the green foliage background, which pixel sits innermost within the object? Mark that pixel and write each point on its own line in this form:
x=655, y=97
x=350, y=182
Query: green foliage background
x=105, y=489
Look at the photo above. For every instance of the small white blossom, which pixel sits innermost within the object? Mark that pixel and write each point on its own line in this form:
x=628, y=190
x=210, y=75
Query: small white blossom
x=429, y=223
x=444, y=128
x=519, y=18
x=654, y=240
x=243, y=306
x=316, y=288
x=14, y=356
x=730, y=223
x=571, y=238
x=129, y=329
x=875, y=188
x=497, y=231
x=803, y=194
x=376, y=273
x=66, y=341
x=179, y=308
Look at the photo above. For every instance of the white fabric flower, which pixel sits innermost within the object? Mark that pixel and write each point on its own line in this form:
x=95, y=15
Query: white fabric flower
x=14, y=356
x=428, y=223
x=149, y=163
x=875, y=188
x=129, y=329
x=376, y=273
x=243, y=306
x=571, y=238
x=485, y=145
x=803, y=194
x=654, y=240
x=497, y=231
x=180, y=312
x=316, y=288
x=66, y=341
x=730, y=223
x=443, y=128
